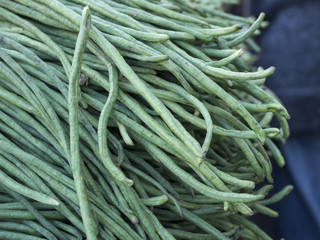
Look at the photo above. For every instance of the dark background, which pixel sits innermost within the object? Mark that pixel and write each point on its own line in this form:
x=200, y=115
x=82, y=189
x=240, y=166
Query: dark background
x=291, y=43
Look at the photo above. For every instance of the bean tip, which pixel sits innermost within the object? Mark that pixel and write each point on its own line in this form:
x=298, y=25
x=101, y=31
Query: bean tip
x=272, y=69
x=128, y=182
x=165, y=37
x=240, y=51
x=86, y=11
x=230, y=83
x=290, y=188
x=251, y=185
x=261, y=196
x=86, y=14
x=239, y=26
x=270, y=179
x=134, y=220
x=272, y=132
x=54, y=202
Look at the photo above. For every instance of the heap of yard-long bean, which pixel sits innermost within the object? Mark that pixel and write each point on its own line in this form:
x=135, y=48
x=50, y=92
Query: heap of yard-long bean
x=133, y=119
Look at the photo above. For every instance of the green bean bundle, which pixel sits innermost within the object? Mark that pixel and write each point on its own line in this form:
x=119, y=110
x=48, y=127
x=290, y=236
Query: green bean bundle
x=134, y=119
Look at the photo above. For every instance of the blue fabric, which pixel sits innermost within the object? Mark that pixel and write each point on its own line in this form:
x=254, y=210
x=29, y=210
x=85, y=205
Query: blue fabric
x=272, y=7
x=304, y=164
x=292, y=44
x=299, y=212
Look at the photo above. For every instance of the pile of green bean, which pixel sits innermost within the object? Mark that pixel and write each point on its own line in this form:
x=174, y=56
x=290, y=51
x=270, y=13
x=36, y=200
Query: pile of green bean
x=134, y=119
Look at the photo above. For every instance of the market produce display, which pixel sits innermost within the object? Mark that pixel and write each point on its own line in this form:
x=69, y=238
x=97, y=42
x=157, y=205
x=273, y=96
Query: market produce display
x=134, y=119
